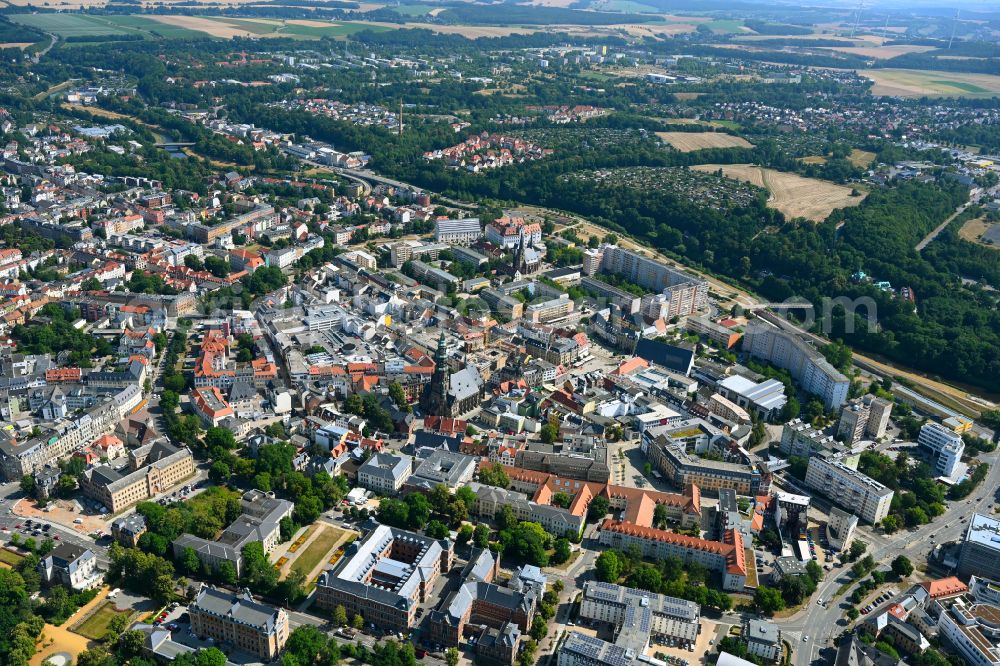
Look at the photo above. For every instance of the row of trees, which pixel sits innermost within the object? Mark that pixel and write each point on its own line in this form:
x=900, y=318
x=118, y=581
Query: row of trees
x=670, y=576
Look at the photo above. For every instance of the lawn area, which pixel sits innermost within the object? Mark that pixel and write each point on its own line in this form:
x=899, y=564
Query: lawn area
x=317, y=551
x=95, y=626
x=10, y=557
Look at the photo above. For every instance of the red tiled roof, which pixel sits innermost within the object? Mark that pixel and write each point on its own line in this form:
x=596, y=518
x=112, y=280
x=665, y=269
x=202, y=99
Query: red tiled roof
x=945, y=587
x=731, y=546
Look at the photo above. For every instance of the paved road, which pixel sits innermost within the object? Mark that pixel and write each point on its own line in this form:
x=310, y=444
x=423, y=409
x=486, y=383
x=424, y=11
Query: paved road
x=41, y=54
x=10, y=493
x=941, y=227
x=820, y=623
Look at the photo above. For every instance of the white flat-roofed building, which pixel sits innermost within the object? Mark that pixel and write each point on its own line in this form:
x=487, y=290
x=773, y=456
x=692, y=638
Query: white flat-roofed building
x=766, y=398
x=981, y=548
x=849, y=488
x=458, y=232
x=943, y=446
x=973, y=629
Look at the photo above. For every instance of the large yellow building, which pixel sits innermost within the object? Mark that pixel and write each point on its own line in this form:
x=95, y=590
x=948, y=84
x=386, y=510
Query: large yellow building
x=155, y=468
x=237, y=622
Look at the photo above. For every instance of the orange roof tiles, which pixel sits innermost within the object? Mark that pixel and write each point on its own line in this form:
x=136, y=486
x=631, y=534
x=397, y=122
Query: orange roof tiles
x=631, y=365
x=731, y=546
x=63, y=374
x=945, y=587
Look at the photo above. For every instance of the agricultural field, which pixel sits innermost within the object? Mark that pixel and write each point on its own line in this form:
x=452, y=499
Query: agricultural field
x=882, y=52
x=187, y=27
x=792, y=194
x=916, y=83
x=71, y=25
x=687, y=142
x=80, y=25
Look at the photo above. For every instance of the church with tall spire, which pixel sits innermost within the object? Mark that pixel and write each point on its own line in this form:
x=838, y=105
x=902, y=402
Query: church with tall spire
x=434, y=401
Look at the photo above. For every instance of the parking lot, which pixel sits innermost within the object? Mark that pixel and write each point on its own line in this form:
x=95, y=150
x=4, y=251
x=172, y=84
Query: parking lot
x=79, y=515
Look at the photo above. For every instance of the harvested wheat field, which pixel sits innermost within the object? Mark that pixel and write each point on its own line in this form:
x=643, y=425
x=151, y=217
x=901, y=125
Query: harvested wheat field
x=918, y=83
x=653, y=29
x=793, y=195
x=470, y=31
x=210, y=26
x=882, y=52
x=310, y=23
x=687, y=142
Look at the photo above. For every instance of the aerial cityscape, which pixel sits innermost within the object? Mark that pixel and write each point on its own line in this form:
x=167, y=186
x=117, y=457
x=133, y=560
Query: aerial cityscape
x=606, y=332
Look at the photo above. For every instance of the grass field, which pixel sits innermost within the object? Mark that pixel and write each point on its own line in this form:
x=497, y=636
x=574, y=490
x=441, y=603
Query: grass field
x=317, y=551
x=973, y=231
x=793, y=195
x=861, y=158
x=80, y=25
x=687, y=142
x=917, y=83
x=10, y=557
x=95, y=626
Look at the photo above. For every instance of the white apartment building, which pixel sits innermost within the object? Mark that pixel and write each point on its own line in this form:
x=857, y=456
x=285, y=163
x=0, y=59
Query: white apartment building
x=806, y=365
x=849, y=488
x=943, y=446
x=801, y=439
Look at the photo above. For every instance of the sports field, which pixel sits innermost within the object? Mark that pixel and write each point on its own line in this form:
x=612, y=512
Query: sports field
x=687, y=142
x=918, y=83
x=792, y=194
